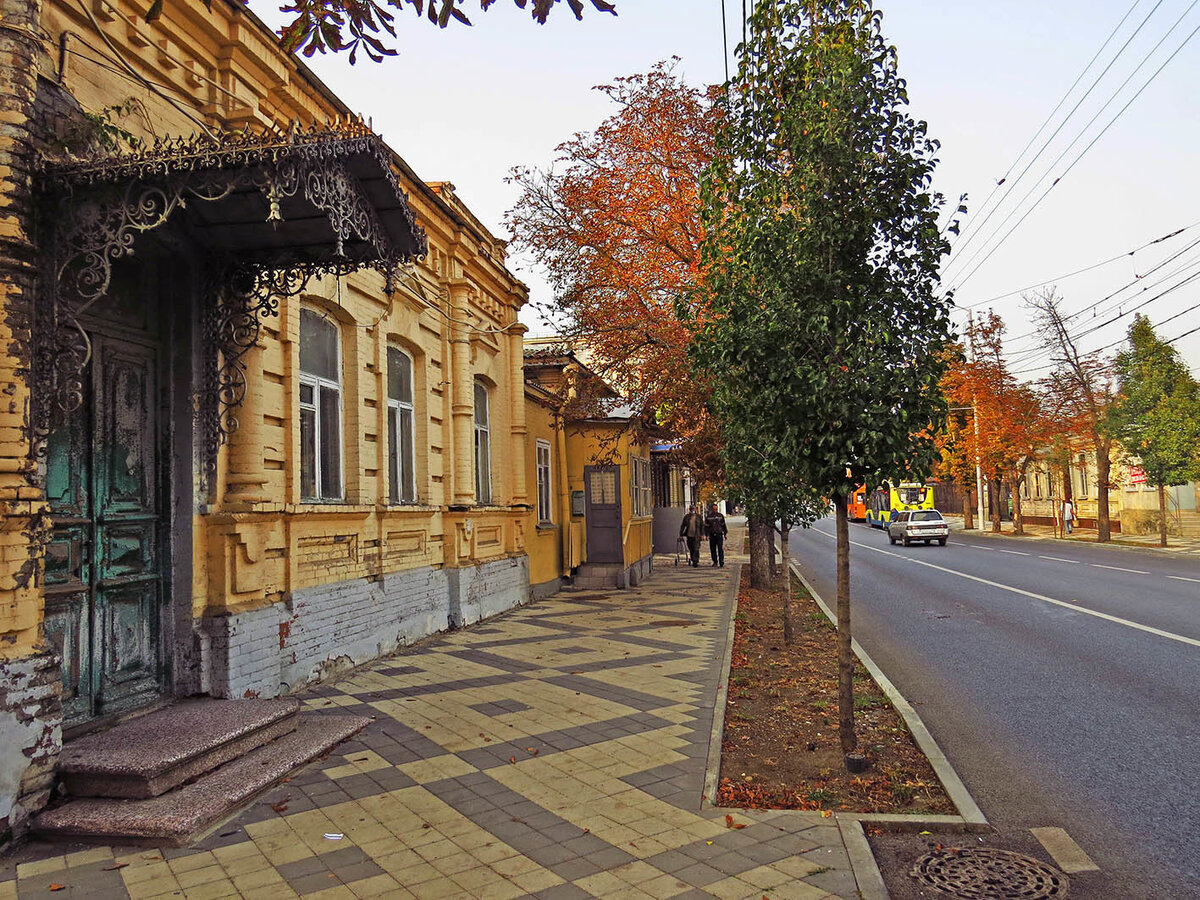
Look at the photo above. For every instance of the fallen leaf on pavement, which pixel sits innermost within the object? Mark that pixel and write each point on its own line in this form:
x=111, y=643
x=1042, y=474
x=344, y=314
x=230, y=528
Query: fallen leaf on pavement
x=114, y=867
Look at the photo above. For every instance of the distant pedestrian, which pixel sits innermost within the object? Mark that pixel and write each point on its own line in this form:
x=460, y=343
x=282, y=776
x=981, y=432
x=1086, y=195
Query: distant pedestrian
x=692, y=529
x=1068, y=515
x=714, y=524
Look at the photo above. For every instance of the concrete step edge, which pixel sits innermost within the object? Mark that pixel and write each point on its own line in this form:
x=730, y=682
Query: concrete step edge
x=180, y=816
x=143, y=785
x=150, y=746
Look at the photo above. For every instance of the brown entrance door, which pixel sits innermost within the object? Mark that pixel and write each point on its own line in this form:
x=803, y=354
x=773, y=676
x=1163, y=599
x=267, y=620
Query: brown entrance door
x=603, y=489
x=104, y=564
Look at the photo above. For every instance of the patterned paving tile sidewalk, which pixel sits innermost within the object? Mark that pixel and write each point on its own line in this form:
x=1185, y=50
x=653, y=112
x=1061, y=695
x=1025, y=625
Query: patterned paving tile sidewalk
x=558, y=751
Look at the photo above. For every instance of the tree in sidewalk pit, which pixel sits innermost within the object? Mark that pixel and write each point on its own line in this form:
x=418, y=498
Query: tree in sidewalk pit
x=1078, y=393
x=1156, y=414
x=348, y=25
x=821, y=257
x=616, y=225
x=1011, y=426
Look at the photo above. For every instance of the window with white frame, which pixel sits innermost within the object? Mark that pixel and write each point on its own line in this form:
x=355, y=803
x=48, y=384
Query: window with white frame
x=545, y=495
x=320, y=408
x=639, y=486
x=402, y=478
x=1082, y=472
x=483, y=447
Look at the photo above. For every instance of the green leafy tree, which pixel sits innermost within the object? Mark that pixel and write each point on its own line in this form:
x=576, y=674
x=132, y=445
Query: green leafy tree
x=1156, y=415
x=824, y=329
x=773, y=491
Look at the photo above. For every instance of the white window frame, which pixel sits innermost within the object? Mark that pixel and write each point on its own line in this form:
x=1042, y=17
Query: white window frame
x=545, y=483
x=639, y=486
x=483, y=438
x=319, y=386
x=399, y=492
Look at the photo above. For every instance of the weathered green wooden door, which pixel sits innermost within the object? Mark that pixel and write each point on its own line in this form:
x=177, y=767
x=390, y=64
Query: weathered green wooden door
x=104, y=578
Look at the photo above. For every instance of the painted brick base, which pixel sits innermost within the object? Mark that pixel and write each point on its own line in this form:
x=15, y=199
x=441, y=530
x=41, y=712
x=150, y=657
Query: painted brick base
x=30, y=738
x=323, y=631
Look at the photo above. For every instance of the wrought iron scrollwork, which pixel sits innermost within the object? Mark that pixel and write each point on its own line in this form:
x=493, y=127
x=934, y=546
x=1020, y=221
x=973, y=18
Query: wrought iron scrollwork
x=243, y=297
x=100, y=204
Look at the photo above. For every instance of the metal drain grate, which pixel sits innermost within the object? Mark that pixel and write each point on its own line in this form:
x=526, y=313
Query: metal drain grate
x=981, y=873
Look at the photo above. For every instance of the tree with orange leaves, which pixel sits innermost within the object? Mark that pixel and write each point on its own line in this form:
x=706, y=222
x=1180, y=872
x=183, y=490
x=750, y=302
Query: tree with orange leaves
x=616, y=224
x=1012, y=426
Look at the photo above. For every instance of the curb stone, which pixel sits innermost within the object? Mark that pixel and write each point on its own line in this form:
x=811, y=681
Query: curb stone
x=970, y=818
x=862, y=861
x=712, y=771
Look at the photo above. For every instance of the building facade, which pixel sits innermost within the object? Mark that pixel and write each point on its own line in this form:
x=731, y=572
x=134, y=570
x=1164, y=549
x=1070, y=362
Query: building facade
x=265, y=416
x=591, y=523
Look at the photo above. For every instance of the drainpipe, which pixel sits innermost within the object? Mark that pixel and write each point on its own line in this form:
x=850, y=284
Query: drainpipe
x=564, y=490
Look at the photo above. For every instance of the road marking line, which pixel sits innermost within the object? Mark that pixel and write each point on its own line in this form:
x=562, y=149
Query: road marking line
x=1118, y=569
x=1192, y=642
x=1068, y=854
x=1181, y=578
x=1013, y=552
x=1073, y=562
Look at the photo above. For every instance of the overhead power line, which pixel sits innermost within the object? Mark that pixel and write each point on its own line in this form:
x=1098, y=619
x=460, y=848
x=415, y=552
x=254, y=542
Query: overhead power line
x=998, y=243
x=1057, y=278
x=1121, y=340
x=972, y=229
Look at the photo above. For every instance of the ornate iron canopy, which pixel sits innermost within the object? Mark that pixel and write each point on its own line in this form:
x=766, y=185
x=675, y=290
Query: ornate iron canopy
x=282, y=206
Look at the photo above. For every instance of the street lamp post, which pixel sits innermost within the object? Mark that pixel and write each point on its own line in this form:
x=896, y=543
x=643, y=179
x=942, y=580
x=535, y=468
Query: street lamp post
x=978, y=468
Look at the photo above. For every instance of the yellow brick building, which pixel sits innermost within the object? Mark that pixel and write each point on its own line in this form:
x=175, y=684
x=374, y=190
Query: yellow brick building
x=592, y=518
x=263, y=414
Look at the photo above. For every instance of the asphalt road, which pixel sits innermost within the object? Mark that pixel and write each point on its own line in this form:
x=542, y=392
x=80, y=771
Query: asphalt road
x=1062, y=681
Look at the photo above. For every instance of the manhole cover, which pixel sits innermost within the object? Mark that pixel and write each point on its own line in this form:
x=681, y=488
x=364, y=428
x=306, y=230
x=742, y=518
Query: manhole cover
x=981, y=873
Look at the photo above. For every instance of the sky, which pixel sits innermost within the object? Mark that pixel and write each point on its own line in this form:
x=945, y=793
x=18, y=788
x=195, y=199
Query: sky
x=466, y=105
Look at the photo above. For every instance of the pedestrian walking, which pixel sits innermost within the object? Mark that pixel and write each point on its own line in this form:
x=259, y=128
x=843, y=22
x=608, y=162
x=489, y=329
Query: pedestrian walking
x=1068, y=513
x=692, y=529
x=714, y=524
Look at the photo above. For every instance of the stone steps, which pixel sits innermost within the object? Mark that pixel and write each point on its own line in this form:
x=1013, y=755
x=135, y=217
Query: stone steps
x=181, y=815
x=137, y=759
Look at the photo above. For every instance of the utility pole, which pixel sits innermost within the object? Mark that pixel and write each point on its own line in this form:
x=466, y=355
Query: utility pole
x=975, y=417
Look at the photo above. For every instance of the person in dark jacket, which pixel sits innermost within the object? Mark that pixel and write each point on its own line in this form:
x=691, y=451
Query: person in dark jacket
x=714, y=524
x=692, y=529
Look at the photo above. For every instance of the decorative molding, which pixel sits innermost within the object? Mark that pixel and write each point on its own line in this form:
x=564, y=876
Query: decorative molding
x=97, y=205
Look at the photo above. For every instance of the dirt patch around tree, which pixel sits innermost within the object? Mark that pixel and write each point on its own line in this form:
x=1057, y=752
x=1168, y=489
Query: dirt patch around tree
x=781, y=749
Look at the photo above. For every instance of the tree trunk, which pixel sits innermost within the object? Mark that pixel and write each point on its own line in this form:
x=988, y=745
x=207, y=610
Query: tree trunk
x=1103, y=466
x=1018, y=526
x=845, y=653
x=760, y=552
x=789, y=632
x=993, y=490
x=969, y=511
x=1162, y=515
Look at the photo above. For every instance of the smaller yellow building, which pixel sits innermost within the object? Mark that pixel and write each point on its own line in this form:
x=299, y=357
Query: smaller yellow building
x=589, y=458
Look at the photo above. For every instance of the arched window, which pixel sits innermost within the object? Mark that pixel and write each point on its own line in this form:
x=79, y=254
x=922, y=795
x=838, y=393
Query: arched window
x=320, y=408
x=483, y=448
x=402, y=478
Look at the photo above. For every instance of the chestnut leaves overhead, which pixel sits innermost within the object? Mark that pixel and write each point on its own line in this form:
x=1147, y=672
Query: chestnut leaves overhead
x=350, y=25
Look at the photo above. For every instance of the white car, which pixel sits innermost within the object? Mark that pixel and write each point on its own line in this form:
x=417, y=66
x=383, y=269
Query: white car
x=918, y=525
